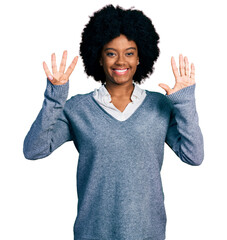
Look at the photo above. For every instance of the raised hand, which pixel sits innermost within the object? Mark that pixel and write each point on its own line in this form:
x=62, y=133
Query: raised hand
x=182, y=77
x=59, y=77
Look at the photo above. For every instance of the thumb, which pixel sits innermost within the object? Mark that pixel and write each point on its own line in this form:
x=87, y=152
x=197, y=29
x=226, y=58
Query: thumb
x=50, y=77
x=165, y=87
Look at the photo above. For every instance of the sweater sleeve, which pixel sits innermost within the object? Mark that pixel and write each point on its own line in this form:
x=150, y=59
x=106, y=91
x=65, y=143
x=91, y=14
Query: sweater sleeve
x=51, y=127
x=184, y=135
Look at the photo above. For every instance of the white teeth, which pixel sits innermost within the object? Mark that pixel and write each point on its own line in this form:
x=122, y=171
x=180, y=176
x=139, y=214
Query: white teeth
x=123, y=70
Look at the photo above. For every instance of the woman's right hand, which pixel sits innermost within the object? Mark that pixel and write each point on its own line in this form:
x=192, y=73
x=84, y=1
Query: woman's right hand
x=59, y=77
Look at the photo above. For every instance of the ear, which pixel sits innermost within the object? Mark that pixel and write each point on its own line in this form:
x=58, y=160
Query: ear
x=138, y=61
x=100, y=61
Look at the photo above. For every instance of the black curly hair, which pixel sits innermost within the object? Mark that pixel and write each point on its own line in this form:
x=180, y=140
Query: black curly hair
x=107, y=24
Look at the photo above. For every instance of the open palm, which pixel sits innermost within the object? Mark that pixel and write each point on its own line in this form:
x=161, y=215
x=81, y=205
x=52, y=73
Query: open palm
x=59, y=77
x=182, y=78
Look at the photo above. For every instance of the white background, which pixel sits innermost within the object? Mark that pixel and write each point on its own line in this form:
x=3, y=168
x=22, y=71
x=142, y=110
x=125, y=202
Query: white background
x=38, y=198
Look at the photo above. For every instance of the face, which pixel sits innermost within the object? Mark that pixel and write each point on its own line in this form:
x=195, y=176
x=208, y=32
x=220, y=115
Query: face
x=119, y=59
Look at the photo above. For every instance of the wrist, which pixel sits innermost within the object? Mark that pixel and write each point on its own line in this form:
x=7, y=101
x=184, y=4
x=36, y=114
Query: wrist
x=184, y=94
x=57, y=93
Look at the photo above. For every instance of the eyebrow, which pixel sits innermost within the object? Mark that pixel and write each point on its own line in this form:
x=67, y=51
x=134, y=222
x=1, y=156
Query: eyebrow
x=116, y=50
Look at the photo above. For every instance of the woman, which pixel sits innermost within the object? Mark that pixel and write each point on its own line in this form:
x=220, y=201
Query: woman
x=119, y=129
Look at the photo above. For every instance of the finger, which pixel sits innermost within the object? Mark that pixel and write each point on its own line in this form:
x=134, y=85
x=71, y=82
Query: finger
x=181, y=64
x=47, y=71
x=192, y=75
x=174, y=68
x=53, y=63
x=71, y=67
x=165, y=87
x=186, y=66
x=63, y=62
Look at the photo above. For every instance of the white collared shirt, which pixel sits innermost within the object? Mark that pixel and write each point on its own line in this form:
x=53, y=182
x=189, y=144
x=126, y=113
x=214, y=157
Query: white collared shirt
x=103, y=97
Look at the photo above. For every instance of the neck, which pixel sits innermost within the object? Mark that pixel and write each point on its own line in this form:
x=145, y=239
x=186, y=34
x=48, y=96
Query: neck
x=120, y=91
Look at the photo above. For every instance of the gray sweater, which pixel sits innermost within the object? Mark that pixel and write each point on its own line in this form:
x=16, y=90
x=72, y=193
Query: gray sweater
x=119, y=186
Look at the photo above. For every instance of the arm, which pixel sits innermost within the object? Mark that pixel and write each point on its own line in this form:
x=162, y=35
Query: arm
x=51, y=127
x=184, y=135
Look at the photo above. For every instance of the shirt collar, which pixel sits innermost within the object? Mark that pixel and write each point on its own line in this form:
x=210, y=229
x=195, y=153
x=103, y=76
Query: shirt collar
x=104, y=94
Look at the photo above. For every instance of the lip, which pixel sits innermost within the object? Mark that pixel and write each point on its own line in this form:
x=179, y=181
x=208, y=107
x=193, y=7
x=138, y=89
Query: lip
x=120, y=71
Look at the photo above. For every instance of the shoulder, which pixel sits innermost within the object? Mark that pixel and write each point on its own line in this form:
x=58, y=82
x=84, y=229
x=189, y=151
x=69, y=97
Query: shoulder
x=158, y=98
x=156, y=95
x=78, y=100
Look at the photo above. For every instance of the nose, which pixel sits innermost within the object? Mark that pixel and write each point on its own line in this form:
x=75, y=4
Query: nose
x=120, y=60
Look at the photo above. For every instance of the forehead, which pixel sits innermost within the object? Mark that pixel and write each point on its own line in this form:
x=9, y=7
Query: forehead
x=120, y=42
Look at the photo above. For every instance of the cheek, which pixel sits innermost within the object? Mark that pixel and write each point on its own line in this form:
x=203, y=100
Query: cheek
x=107, y=63
x=134, y=64
x=107, y=68
x=134, y=61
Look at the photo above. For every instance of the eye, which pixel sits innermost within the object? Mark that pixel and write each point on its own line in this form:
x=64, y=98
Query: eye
x=130, y=54
x=110, y=54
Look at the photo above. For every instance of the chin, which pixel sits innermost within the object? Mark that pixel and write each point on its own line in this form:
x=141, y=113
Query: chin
x=120, y=81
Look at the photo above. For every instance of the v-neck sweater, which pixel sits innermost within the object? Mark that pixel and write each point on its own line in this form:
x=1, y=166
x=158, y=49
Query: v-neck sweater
x=119, y=187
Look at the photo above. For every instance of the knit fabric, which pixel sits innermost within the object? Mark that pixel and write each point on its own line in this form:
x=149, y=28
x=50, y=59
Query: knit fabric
x=119, y=186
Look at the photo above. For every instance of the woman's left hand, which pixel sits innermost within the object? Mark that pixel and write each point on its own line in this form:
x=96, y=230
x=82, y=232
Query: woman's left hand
x=182, y=77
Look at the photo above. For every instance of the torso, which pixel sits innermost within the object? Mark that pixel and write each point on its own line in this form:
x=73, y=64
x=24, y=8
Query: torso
x=116, y=160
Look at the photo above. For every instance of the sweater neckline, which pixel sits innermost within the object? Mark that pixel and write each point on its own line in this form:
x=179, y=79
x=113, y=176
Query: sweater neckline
x=109, y=116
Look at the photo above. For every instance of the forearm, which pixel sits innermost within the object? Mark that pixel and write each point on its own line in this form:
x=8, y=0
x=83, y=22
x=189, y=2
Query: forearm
x=50, y=129
x=184, y=135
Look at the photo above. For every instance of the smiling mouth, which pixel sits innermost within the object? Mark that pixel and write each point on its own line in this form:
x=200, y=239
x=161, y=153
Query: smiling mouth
x=120, y=71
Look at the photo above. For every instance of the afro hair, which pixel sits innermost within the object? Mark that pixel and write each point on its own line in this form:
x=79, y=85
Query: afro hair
x=109, y=23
